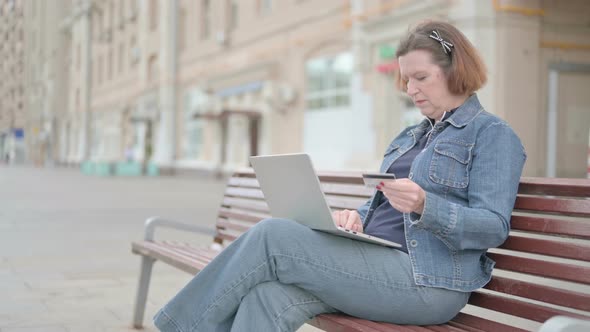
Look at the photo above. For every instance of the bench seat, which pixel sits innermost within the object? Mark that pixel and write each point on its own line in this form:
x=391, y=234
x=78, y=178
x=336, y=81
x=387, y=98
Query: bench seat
x=542, y=270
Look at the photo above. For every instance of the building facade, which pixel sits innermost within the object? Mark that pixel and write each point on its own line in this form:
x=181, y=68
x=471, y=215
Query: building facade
x=46, y=58
x=201, y=85
x=12, y=84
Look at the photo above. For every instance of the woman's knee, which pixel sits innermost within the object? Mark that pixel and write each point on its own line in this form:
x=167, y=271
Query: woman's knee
x=269, y=289
x=278, y=227
x=276, y=295
x=276, y=233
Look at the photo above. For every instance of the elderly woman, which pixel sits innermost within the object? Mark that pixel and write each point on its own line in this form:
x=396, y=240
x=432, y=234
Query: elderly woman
x=458, y=173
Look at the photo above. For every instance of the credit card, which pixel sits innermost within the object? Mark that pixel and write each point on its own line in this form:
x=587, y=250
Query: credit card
x=372, y=180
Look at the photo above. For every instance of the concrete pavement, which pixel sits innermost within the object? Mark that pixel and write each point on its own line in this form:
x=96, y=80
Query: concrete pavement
x=65, y=260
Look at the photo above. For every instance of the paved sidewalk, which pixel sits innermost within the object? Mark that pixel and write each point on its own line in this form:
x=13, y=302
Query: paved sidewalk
x=65, y=259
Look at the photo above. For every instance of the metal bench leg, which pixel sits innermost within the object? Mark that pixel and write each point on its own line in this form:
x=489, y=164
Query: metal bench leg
x=142, y=291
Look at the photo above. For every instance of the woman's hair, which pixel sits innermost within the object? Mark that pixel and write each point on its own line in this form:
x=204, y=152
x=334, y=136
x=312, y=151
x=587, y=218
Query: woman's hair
x=462, y=64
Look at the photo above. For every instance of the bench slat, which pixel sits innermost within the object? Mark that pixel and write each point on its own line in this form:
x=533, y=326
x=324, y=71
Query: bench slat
x=224, y=224
x=201, y=253
x=563, y=206
x=226, y=236
x=386, y=327
x=518, y=308
x=339, y=322
x=471, y=328
x=325, y=176
x=554, y=186
x=327, y=187
x=443, y=328
x=244, y=192
x=190, y=253
x=340, y=202
x=483, y=324
x=178, y=261
x=541, y=293
x=543, y=225
x=249, y=217
x=548, y=247
x=464, y=327
x=528, y=185
x=561, y=271
x=243, y=182
x=340, y=177
x=255, y=205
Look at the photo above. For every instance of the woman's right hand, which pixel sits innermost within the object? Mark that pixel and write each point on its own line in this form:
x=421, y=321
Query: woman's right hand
x=348, y=219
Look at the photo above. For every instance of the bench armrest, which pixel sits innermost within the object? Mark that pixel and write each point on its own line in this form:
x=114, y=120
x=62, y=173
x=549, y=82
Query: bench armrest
x=565, y=324
x=153, y=222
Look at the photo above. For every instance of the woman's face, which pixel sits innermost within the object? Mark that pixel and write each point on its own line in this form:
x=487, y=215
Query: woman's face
x=427, y=84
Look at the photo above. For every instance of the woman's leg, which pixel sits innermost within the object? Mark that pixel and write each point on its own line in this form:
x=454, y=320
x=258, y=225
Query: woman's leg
x=273, y=306
x=360, y=279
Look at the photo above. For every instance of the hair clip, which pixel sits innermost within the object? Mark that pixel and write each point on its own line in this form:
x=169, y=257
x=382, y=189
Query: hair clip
x=447, y=47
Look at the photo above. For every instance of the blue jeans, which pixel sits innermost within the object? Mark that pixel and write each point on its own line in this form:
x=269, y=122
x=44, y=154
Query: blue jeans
x=280, y=274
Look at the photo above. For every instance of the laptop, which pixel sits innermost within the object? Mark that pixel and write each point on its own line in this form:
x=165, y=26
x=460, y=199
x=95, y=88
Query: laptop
x=292, y=191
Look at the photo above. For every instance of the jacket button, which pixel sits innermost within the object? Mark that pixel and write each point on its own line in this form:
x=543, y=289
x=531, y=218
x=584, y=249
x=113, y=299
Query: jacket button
x=411, y=175
x=414, y=243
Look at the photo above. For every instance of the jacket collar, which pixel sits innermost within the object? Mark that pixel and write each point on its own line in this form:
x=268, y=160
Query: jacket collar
x=458, y=118
x=466, y=112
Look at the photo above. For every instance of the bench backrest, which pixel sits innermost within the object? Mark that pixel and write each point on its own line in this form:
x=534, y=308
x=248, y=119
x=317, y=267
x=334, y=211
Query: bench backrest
x=542, y=270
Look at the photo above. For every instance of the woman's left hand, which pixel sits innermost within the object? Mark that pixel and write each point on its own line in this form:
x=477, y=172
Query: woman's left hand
x=404, y=195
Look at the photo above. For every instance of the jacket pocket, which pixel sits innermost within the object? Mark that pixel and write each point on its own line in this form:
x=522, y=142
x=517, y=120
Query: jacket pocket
x=450, y=163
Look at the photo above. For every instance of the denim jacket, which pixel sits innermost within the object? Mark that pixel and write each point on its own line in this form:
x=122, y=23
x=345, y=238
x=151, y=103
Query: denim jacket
x=470, y=170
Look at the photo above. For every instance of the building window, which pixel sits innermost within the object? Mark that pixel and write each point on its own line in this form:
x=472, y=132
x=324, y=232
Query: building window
x=264, y=6
x=133, y=52
x=153, y=14
x=153, y=69
x=99, y=70
x=121, y=12
x=195, y=101
x=205, y=19
x=105, y=27
x=181, y=29
x=77, y=100
x=111, y=16
x=328, y=82
x=33, y=40
x=97, y=25
x=233, y=14
x=110, y=65
x=78, y=57
x=132, y=9
x=121, y=57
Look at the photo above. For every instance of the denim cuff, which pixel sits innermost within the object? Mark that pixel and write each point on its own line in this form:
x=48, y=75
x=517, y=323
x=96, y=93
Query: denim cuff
x=165, y=323
x=418, y=219
x=439, y=215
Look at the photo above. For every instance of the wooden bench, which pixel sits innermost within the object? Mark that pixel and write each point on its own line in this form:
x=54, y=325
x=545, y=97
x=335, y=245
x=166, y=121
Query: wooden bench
x=542, y=270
